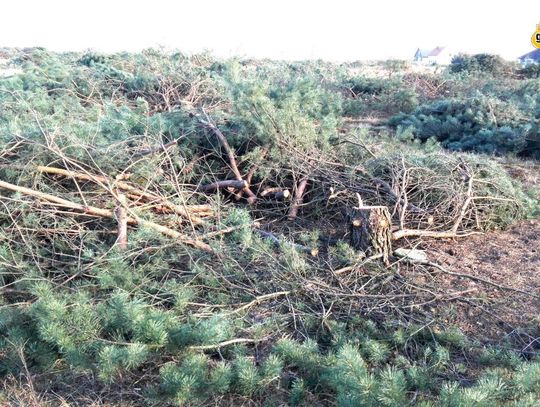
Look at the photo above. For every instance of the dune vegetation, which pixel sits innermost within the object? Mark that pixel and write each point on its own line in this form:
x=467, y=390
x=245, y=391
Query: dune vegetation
x=183, y=230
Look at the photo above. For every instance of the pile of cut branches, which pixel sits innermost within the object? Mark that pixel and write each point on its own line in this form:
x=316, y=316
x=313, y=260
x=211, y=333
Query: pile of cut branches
x=167, y=231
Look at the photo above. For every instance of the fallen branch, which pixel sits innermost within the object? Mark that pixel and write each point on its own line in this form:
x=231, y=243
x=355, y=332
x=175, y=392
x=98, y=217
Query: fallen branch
x=251, y=173
x=278, y=194
x=122, y=220
x=465, y=205
x=479, y=279
x=298, y=199
x=124, y=186
x=399, y=234
x=355, y=266
x=161, y=148
x=226, y=343
x=105, y=213
x=453, y=232
x=251, y=197
x=260, y=299
x=200, y=209
x=229, y=183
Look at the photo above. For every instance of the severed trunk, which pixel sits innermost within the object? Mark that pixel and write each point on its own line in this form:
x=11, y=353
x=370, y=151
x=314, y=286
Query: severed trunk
x=370, y=228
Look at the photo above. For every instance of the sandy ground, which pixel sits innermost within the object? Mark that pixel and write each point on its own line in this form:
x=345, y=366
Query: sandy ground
x=510, y=259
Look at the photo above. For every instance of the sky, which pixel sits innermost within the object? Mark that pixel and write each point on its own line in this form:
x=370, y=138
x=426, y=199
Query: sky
x=336, y=30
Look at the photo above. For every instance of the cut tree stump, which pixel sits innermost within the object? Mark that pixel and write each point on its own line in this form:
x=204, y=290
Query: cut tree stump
x=370, y=228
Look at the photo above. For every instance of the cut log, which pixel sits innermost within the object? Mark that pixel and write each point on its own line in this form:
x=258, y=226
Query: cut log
x=229, y=183
x=298, y=198
x=370, y=228
x=279, y=194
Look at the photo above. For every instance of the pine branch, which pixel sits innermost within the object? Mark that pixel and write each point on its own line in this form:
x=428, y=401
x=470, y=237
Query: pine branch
x=208, y=123
x=229, y=183
x=259, y=299
x=105, y=182
x=105, y=213
x=226, y=343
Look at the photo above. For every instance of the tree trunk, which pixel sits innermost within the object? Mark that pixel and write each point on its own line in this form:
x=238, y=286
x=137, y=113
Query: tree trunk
x=370, y=230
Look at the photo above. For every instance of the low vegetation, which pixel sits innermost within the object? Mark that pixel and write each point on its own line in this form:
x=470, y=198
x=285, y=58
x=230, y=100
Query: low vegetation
x=176, y=230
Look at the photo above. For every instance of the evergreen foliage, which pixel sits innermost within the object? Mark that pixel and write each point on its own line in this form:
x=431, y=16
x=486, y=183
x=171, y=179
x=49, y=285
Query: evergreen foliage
x=480, y=64
x=482, y=124
x=189, y=328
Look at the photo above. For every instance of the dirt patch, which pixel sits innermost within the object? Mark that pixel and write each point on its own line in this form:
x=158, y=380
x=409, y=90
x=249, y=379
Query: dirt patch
x=509, y=259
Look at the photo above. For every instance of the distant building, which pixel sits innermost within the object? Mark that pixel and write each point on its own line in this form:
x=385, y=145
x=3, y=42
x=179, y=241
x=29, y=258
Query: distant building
x=433, y=56
x=529, y=58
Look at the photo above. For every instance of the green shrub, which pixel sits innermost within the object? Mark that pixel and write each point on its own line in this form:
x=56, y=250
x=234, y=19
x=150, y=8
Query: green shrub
x=482, y=124
x=480, y=63
x=256, y=322
x=531, y=71
x=363, y=94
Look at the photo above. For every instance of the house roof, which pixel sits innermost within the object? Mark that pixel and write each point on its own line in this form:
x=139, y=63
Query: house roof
x=431, y=52
x=534, y=55
x=436, y=51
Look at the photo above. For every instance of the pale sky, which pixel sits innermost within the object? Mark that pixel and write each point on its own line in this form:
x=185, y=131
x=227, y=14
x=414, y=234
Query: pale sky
x=335, y=30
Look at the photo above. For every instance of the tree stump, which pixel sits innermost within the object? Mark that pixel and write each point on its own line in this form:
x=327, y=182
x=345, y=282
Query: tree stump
x=370, y=228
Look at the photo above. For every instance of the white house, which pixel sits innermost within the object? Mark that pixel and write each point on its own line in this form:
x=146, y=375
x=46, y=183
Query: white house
x=433, y=56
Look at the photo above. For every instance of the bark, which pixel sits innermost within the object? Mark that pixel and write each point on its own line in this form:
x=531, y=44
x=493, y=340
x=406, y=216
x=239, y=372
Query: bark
x=370, y=229
x=200, y=209
x=122, y=220
x=229, y=183
x=278, y=194
x=251, y=173
x=298, y=198
x=105, y=182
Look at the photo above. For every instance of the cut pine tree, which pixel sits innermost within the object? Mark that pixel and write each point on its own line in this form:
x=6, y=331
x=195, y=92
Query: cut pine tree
x=370, y=228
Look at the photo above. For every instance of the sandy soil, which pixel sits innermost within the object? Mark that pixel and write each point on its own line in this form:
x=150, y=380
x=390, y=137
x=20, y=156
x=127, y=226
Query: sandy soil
x=510, y=259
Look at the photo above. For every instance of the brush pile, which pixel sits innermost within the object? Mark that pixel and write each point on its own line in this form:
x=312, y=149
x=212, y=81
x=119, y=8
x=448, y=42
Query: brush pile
x=209, y=231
